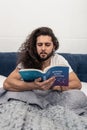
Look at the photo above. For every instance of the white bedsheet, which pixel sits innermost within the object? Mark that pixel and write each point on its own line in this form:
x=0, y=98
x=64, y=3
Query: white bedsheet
x=84, y=87
x=2, y=78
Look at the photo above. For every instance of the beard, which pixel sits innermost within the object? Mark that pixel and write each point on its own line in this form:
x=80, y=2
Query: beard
x=41, y=59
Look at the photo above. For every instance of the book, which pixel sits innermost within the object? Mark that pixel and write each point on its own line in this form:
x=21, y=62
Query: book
x=61, y=74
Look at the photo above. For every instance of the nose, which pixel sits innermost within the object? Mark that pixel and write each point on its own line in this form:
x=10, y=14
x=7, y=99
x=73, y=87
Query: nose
x=43, y=47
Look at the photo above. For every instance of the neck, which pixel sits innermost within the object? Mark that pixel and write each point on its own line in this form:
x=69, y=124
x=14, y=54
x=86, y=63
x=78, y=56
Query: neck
x=46, y=63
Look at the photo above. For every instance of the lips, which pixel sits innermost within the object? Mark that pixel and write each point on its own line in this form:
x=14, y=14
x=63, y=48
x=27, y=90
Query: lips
x=43, y=54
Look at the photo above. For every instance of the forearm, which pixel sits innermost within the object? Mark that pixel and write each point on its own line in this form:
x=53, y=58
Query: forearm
x=74, y=82
x=75, y=85
x=18, y=85
x=72, y=85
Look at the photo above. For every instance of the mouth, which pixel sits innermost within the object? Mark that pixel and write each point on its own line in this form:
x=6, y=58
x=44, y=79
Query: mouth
x=43, y=54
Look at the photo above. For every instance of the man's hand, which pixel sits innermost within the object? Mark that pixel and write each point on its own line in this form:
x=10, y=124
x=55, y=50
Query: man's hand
x=45, y=85
x=60, y=88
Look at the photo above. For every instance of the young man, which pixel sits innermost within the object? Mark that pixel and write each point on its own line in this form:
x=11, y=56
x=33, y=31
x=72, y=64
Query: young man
x=38, y=51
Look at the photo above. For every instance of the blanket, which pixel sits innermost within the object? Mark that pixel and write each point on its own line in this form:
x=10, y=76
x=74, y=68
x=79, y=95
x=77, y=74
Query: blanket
x=23, y=111
x=17, y=115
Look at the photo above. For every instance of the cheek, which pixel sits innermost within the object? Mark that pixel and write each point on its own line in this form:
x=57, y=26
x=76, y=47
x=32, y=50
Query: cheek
x=38, y=49
x=50, y=49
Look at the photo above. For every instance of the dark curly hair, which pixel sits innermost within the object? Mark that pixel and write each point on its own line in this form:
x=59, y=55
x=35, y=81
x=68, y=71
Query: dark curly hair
x=28, y=52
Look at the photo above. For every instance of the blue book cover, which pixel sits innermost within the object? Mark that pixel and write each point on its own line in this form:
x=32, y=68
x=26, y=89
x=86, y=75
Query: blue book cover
x=61, y=74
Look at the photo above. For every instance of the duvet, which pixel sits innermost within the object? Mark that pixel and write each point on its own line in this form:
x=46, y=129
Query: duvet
x=19, y=111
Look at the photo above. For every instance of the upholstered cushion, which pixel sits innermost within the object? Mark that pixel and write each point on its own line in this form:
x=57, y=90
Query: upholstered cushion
x=78, y=63
x=82, y=72
x=72, y=59
x=7, y=62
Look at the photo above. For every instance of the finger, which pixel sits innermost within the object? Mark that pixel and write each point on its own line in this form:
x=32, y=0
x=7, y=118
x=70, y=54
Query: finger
x=50, y=80
x=38, y=80
x=46, y=87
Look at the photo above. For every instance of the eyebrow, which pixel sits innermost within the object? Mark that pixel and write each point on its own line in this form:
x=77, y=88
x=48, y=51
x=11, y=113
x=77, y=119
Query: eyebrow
x=44, y=43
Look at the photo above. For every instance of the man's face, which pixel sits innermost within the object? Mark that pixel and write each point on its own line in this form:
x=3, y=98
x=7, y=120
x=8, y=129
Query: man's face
x=44, y=46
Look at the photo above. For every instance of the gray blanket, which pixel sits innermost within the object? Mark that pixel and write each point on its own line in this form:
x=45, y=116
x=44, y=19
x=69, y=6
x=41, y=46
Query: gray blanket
x=55, y=111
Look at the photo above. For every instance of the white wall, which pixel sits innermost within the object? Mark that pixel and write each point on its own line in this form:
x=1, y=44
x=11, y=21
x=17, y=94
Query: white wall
x=68, y=19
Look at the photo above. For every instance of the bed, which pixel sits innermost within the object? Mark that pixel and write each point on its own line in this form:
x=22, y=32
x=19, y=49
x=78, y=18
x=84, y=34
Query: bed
x=22, y=115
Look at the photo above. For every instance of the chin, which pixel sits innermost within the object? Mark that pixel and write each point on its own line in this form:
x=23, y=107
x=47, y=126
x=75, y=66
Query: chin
x=43, y=58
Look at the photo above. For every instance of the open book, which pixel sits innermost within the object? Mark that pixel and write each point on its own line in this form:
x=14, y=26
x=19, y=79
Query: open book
x=61, y=74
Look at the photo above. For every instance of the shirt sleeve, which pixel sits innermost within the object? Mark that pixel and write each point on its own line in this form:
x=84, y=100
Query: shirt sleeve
x=60, y=61
x=20, y=66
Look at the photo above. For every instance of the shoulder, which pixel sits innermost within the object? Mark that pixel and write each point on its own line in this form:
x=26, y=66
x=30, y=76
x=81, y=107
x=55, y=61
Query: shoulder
x=60, y=60
x=20, y=66
x=58, y=57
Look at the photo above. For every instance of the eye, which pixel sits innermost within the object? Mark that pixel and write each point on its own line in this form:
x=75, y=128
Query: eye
x=48, y=44
x=39, y=44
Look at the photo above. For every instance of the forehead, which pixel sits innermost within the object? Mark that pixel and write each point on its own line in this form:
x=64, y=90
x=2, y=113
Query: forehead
x=44, y=38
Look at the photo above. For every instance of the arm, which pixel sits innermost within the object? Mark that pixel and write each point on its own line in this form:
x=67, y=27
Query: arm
x=74, y=83
x=14, y=83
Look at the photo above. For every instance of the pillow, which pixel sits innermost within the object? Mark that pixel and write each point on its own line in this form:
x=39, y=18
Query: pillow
x=2, y=78
x=84, y=87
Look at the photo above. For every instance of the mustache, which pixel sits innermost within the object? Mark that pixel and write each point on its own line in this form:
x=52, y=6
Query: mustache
x=43, y=52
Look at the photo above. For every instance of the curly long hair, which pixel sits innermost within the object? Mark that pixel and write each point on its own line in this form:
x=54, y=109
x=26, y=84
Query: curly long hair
x=28, y=51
